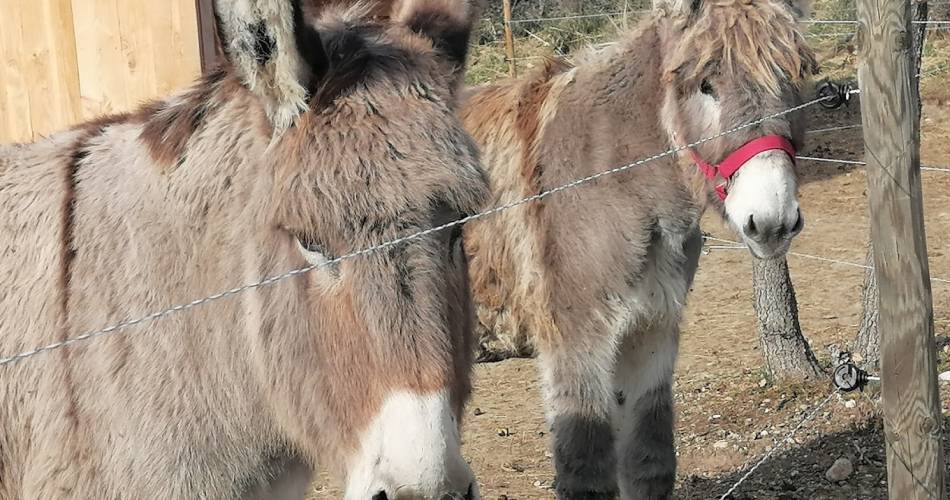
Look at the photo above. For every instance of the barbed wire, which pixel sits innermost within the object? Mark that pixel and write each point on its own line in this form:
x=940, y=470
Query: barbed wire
x=398, y=241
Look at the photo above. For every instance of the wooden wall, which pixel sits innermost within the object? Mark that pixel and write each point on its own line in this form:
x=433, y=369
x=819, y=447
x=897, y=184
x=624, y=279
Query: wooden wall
x=64, y=61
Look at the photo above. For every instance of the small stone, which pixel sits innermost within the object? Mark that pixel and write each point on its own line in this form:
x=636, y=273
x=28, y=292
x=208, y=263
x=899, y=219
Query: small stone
x=761, y=434
x=840, y=470
x=944, y=377
x=719, y=445
x=502, y=497
x=539, y=484
x=850, y=403
x=512, y=467
x=763, y=383
x=715, y=417
x=503, y=432
x=946, y=348
x=478, y=411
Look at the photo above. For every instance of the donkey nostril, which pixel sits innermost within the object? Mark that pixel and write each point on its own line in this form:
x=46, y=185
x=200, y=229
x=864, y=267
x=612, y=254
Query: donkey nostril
x=799, y=223
x=381, y=496
x=750, y=228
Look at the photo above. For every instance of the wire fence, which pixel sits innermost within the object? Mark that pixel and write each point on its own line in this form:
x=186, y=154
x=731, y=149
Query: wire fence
x=562, y=41
x=14, y=358
x=810, y=416
x=925, y=168
x=827, y=260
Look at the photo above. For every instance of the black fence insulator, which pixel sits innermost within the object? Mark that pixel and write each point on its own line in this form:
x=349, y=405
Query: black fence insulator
x=834, y=94
x=848, y=377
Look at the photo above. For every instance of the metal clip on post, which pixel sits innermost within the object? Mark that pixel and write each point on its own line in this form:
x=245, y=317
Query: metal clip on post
x=834, y=94
x=848, y=377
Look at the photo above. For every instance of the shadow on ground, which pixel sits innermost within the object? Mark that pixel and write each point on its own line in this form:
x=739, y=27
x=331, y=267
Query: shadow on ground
x=799, y=472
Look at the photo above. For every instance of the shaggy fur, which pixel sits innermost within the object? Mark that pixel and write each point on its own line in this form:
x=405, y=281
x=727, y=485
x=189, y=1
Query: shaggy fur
x=210, y=189
x=596, y=278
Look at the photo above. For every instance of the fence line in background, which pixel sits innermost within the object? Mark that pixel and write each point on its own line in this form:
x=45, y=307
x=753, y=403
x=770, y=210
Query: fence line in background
x=832, y=129
x=936, y=22
x=926, y=168
x=816, y=257
x=579, y=16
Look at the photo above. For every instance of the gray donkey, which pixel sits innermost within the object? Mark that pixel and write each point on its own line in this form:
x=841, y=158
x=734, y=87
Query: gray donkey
x=327, y=130
x=596, y=278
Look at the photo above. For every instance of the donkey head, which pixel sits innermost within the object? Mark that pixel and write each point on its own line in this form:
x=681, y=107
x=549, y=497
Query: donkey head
x=366, y=149
x=727, y=63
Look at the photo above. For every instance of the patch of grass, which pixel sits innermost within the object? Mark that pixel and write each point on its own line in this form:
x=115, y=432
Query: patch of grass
x=833, y=44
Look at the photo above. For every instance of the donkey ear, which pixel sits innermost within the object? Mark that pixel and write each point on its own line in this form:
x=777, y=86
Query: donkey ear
x=801, y=9
x=677, y=7
x=447, y=23
x=274, y=51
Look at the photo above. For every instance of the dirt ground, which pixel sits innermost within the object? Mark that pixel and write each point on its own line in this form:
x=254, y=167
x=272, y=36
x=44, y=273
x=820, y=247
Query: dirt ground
x=727, y=415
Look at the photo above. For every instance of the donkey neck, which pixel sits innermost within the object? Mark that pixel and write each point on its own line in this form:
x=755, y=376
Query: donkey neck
x=623, y=89
x=622, y=86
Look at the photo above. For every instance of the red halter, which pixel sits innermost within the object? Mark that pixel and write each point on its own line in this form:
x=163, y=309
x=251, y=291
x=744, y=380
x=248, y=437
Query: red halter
x=739, y=157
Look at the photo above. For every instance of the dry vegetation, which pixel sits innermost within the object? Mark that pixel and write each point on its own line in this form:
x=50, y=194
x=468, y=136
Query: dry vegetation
x=728, y=414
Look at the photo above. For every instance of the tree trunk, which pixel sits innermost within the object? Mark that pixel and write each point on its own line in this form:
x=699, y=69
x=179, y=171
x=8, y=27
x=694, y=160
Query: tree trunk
x=787, y=354
x=867, y=345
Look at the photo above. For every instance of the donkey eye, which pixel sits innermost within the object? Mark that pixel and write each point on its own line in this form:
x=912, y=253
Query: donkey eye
x=315, y=255
x=707, y=88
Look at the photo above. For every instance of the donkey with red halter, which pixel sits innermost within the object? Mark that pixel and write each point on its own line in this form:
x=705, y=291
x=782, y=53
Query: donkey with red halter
x=596, y=278
x=326, y=131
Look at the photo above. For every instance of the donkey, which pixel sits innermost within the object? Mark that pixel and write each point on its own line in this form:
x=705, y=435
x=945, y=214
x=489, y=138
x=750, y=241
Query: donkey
x=325, y=131
x=596, y=278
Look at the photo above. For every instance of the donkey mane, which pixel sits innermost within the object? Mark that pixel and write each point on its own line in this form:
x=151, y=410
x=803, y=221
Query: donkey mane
x=757, y=38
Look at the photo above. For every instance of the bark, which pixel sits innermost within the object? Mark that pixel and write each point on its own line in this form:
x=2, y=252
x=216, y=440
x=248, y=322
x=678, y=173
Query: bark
x=867, y=345
x=787, y=353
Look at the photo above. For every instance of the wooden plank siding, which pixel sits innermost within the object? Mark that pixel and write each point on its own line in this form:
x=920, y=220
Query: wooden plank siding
x=65, y=61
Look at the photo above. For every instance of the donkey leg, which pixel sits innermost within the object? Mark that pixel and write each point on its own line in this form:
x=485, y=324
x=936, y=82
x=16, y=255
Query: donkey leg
x=643, y=380
x=578, y=398
x=643, y=419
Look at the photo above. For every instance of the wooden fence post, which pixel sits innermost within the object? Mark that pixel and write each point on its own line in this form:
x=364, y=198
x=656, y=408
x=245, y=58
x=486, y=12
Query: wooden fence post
x=208, y=45
x=509, y=38
x=891, y=121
